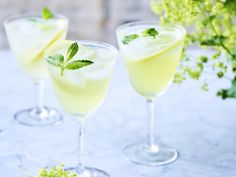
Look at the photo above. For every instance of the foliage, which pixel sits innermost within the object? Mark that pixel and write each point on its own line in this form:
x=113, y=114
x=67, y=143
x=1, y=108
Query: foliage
x=56, y=172
x=150, y=32
x=63, y=63
x=46, y=13
x=210, y=25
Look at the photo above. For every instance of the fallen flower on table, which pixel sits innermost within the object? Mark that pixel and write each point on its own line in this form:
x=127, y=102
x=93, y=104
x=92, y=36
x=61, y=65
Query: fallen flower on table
x=56, y=172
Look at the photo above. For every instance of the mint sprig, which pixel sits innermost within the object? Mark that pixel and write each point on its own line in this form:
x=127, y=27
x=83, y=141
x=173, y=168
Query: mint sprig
x=127, y=39
x=63, y=63
x=46, y=13
x=150, y=32
x=146, y=33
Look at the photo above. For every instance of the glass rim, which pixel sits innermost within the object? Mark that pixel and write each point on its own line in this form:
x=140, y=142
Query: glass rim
x=99, y=44
x=32, y=14
x=151, y=22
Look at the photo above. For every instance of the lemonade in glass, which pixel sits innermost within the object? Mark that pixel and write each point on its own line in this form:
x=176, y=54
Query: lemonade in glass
x=29, y=36
x=151, y=54
x=80, y=73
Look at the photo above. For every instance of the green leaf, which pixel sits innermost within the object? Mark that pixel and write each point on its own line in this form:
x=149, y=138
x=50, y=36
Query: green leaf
x=150, y=32
x=71, y=51
x=213, y=40
x=228, y=93
x=78, y=64
x=56, y=60
x=46, y=13
x=127, y=39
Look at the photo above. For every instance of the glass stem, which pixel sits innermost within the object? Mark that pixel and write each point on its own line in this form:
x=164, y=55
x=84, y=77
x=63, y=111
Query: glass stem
x=39, y=95
x=150, y=141
x=80, y=167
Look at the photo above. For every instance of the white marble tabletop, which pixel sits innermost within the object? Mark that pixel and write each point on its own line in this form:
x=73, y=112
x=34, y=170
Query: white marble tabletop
x=200, y=125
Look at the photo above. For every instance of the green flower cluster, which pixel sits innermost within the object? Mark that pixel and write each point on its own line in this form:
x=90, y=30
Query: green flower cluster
x=210, y=24
x=56, y=172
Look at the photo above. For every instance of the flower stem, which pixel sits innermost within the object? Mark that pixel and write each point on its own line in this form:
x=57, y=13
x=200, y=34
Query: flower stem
x=215, y=31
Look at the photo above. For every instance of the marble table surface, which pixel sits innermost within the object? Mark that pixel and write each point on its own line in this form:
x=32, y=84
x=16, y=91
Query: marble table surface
x=200, y=125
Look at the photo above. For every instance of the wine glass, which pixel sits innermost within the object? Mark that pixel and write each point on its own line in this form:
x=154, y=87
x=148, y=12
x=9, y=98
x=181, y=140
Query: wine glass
x=151, y=54
x=29, y=36
x=80, y=91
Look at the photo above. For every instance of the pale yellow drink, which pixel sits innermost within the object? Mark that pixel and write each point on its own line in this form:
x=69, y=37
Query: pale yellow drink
x=151, y=62
x=29, y=36
x=81, y=91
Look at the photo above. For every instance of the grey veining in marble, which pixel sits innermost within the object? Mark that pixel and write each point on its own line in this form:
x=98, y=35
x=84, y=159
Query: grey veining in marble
x=200, y=125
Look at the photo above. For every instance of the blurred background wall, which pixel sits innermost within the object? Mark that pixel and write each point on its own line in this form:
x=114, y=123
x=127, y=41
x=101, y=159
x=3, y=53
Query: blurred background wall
x=89, y=19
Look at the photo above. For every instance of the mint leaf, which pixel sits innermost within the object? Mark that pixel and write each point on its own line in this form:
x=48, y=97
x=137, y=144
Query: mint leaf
x=78, y=64
x=46, y=13
x=150, y=32
x=56, y=60
x=71, y=51
x=127, y=39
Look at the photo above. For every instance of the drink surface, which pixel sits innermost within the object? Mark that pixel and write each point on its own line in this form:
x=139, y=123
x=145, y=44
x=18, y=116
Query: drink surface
x=81, y=91
x=29, y=37
x=151, y=62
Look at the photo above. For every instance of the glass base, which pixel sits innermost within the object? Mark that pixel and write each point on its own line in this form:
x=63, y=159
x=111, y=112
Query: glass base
x=89, y=172
x=156, y=155
x=36, y=117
